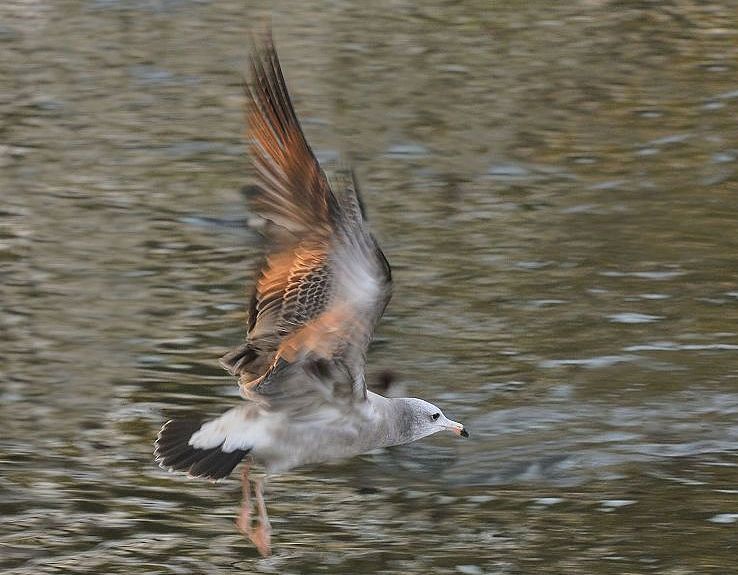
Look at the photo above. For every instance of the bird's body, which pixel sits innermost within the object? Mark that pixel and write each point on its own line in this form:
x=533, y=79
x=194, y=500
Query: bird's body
x=280, y=443
x=323, y=287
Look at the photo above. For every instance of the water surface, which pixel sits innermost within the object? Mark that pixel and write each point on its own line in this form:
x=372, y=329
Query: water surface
x=556, y=190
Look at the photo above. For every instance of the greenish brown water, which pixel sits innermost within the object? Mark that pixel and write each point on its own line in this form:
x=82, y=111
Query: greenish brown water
x=557, y=191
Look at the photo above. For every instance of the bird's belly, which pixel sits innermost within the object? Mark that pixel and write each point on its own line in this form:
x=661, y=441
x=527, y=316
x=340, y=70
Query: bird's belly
x=306, y=445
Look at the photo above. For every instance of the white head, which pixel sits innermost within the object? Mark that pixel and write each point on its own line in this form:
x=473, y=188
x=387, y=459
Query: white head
x=423, y=419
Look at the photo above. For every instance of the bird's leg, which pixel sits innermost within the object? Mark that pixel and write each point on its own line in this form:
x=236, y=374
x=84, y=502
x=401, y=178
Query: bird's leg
x=262, y=534
x=244, y=517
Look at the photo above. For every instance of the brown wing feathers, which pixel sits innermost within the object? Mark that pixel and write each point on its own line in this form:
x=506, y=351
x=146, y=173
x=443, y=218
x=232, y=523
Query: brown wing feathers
x=319, y=294
x=295, y=193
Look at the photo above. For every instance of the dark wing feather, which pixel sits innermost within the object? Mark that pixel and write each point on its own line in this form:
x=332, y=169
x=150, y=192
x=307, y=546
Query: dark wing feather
x=323, y=288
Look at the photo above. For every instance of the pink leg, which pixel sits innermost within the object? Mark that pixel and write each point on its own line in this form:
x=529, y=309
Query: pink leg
x=262, y=536
x=244, y=517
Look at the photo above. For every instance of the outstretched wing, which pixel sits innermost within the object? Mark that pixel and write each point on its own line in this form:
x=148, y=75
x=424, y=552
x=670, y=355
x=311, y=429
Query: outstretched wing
x=325, y=284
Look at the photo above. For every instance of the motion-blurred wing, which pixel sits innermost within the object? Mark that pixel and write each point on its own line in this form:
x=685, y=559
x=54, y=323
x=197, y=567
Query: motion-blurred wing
x=326, y=283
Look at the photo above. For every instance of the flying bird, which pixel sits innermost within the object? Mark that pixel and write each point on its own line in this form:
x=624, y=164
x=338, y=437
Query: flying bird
x=318, y=296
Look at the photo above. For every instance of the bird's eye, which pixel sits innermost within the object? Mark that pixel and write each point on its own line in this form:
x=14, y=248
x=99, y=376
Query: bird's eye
x=435, y=416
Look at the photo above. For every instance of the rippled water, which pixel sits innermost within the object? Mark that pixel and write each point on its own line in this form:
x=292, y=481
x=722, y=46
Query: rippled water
x=556, y=189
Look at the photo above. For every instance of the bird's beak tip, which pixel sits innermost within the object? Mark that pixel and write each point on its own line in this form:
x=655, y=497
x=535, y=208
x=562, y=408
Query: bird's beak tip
x=458, y=429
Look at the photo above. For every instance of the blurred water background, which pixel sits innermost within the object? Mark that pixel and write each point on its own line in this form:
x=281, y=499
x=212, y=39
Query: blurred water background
x=555, y=185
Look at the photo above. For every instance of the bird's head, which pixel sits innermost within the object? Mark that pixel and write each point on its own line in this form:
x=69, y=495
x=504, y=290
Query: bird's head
x=429, y=419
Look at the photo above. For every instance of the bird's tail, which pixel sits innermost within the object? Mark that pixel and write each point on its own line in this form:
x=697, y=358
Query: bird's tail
x=175, y=451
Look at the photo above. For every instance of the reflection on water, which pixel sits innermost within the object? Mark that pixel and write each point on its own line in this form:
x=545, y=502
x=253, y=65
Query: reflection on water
x=556, y=190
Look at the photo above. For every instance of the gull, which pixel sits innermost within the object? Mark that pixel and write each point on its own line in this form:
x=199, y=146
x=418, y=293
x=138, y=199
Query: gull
x=318, y=296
